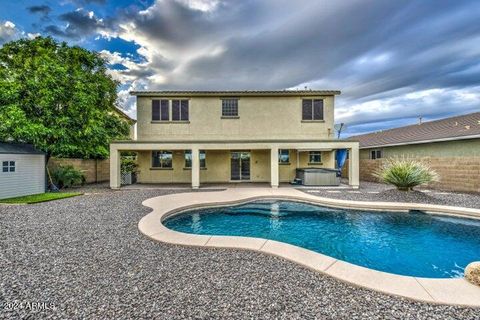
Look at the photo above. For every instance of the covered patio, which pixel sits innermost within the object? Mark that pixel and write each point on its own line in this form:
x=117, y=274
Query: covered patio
x=227, y=160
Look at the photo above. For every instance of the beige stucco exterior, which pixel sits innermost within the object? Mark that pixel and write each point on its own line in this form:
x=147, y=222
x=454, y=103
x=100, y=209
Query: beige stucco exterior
x=265, y=124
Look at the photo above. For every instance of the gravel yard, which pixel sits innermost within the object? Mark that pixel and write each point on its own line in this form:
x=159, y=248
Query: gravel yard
x=85, y=258
x=370, y=191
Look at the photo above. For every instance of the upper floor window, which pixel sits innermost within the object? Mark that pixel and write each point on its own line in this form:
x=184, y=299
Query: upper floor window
x=162, y=159
x=229, y=107
x=312, y=109
x=179, y=110
x=376, y=154
x=161, y=112
x=188, y=159
x=284, y=156
x=8, y=166
x=315, y=157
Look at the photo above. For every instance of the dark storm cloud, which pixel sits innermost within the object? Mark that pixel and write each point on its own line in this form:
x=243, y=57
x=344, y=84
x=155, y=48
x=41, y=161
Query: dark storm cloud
x=42, y=9
x=80, y=23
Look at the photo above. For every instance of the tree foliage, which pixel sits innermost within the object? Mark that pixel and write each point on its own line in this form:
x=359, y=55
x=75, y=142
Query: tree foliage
x=58, y=98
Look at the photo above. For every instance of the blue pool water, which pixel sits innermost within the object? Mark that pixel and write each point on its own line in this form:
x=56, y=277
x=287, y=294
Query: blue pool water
x=413, y=244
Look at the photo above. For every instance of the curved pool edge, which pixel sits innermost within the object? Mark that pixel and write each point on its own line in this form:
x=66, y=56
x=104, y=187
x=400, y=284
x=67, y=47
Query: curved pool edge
x=456, y=291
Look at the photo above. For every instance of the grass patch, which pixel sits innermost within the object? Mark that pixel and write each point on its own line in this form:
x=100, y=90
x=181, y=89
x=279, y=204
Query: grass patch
x=42, y=197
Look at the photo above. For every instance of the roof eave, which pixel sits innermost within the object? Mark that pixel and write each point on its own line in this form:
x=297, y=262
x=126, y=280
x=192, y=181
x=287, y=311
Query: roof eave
x=476, y=136
x=235, y=93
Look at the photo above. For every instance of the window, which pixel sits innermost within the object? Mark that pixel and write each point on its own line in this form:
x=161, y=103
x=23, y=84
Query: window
x=179, y=110
x=315, y=157
x=230, y=108
x=284, y=156
x=8, y=166
x=162, y=159
x=312, y=109
x=164, y=114
x=155, y=110
x=376, y=154
x=188, y=159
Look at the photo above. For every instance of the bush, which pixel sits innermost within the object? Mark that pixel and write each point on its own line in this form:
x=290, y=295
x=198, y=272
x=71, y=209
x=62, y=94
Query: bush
x=128, y=165
x=67, y=176
x=405, y=174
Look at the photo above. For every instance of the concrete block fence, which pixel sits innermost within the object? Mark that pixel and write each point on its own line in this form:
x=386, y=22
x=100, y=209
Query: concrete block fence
x=460, y=174
x=94, y=170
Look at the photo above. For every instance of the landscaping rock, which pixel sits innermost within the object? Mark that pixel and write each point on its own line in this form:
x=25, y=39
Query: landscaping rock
x=84, y=258
x=472, y=273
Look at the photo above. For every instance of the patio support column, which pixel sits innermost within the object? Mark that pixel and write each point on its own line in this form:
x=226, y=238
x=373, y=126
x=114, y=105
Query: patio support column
x=274, y=167
x=195, y=168
x=115, y=179
x=353, y=167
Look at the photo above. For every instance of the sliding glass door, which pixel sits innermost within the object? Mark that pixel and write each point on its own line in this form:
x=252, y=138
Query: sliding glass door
x=240, y=165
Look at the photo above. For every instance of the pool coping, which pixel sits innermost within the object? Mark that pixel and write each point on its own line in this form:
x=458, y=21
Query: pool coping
x=456, y=291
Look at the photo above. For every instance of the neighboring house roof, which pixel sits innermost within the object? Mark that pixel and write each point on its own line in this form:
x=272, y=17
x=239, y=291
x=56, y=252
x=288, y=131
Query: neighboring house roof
x=454, y=128
x=252, y=93
x=122, y=114
x=18, y=148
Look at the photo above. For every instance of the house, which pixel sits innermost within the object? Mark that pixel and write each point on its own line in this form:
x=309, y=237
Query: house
x=450, y=146
x=22, y=170
x=232, y=136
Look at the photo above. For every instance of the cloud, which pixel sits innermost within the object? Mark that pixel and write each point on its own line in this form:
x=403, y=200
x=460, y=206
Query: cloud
x=8, y=32
x=79, y=24
x=41, y=9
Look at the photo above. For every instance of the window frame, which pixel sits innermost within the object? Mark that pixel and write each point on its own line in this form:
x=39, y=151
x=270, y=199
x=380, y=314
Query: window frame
x=314, y=153
x=9, y=166
x=183, y=113
x=280, y=155
x=376, y=154
x=231, y=103
x=313, y=112
x=188, y=162
x=163, y=162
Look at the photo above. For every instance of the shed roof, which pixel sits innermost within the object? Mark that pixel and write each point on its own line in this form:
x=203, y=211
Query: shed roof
x=18, y=148
x=455, y=128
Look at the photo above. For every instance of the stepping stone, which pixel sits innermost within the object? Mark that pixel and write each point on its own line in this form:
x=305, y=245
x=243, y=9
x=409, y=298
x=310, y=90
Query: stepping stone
x=333, y=191
x=373, y=192
x=353, y=191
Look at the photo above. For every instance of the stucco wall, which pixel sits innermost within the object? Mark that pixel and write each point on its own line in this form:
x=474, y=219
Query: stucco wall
x=259, y=118
x=456, y=162
x=28, y=178
x=218, y=167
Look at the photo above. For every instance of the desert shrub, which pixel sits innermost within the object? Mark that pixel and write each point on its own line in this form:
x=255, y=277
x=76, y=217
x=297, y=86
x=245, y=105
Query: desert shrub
x=405, y=174
x=67, y=176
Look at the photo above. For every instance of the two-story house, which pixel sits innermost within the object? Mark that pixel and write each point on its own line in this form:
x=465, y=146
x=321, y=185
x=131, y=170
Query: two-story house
x=232, y=136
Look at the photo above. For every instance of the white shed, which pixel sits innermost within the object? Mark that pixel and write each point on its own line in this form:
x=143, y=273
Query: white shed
x=22, y=170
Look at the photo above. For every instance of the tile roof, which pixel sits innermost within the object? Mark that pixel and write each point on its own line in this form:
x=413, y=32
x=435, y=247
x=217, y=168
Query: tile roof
x=18, y=148
x=237, y=92
x=454, y=128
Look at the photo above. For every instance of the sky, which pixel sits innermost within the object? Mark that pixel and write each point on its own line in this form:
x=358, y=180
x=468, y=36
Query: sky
x=394, y=61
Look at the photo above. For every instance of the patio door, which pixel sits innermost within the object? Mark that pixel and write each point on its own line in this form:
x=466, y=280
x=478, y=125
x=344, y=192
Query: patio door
x=240, y=165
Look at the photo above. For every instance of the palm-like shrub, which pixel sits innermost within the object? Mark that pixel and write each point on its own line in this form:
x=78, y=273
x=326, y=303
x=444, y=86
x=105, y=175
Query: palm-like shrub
x=405, y=174
x=67, y=176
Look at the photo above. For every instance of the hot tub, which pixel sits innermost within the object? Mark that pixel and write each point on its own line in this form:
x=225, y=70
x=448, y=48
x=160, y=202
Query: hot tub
x=318, y=177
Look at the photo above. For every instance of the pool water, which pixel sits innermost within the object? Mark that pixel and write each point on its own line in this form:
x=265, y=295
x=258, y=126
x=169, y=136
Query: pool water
x=413, y=244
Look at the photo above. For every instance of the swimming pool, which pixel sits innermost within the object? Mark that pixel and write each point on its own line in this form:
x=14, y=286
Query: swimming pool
x=413, y=244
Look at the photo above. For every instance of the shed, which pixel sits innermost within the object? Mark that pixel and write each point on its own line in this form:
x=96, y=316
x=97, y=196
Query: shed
x=22, y=170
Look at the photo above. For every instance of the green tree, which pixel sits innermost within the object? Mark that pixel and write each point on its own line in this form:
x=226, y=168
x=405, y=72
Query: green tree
x=58, y=98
